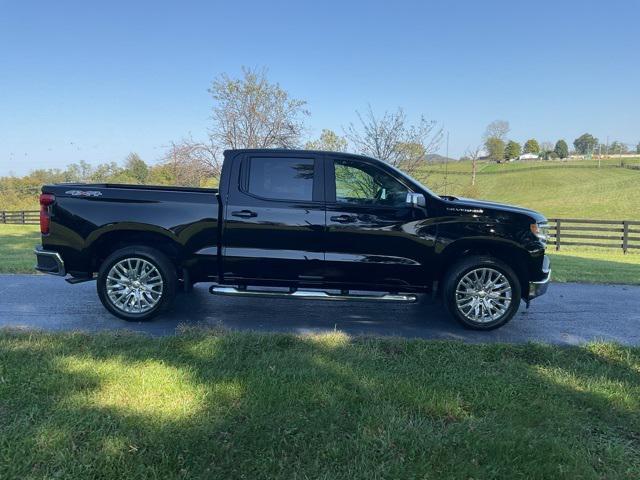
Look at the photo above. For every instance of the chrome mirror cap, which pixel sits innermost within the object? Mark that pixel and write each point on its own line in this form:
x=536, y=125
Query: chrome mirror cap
x=416, y=199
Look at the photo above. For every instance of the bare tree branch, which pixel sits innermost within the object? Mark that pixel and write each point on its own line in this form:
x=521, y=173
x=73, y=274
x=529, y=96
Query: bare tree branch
x=390, y=138
x=192, y=162
x=474, y=154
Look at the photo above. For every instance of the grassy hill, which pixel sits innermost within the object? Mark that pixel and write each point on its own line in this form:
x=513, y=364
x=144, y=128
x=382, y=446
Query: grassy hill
x=575, y=188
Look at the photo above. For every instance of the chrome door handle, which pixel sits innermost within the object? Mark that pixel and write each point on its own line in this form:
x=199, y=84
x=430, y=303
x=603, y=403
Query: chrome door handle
x=244, y=214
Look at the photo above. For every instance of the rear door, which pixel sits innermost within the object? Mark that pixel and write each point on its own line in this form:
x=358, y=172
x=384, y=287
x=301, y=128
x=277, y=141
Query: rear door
x=274, y=219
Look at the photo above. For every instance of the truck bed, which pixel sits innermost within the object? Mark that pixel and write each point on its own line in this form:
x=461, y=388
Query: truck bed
x=87, y=220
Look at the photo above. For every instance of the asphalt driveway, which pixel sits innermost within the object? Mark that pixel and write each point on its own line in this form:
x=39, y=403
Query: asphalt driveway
x=568, y=314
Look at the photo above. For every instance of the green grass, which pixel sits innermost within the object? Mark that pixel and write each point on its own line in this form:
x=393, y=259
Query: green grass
x=16, y=248
x=572, y=189
x=256, y=406
x=594, y=265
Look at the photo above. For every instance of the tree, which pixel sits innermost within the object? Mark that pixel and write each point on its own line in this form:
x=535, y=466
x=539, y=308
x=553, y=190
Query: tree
x=328, y=141
x=497, y=129
x=585, y=144
x=473, y=154
x=495, y=148
x=561, y=149
x=531, y=146
x=136, y=168
x=617, y=147
x=546, y=147
x=192, y=163
x=106, y=172
x=251, y=112
x=512, y=150
x=392, y=139
x=638, y=148
x=78, y=172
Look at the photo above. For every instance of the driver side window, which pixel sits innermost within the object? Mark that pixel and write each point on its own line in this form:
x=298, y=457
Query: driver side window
x=359, y=183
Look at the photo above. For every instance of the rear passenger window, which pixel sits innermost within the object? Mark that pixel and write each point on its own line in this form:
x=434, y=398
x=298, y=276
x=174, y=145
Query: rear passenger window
x=281, y=178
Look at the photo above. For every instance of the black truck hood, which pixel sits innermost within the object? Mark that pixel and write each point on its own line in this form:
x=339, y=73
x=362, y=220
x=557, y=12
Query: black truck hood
x=468, y=205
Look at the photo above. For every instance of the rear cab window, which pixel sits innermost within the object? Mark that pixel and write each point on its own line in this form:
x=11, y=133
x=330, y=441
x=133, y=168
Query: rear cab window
x=281, y=178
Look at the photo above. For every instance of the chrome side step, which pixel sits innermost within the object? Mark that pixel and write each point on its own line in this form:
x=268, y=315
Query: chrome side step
x=311, y=295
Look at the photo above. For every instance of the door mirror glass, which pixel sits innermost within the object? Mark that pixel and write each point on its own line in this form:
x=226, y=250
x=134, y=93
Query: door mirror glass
x=416, y=199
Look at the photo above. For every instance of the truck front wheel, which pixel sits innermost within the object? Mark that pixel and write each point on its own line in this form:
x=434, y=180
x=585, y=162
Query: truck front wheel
x=481, y=292
x=136, y=283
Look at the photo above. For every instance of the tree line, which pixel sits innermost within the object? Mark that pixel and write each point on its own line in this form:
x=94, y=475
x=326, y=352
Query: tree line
x=498, y=147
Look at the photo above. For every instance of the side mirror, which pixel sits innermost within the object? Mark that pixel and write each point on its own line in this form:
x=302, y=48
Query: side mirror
x=416, y=199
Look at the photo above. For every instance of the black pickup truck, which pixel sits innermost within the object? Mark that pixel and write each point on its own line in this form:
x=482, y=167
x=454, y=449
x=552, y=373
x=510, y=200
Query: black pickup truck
x=301, y=224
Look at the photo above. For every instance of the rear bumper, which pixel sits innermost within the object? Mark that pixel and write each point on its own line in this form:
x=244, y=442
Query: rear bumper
x=539, y=287
x=49, y=262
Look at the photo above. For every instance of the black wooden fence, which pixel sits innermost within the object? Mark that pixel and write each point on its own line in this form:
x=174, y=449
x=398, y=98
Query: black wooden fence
x=24, y=217
x=624, y=234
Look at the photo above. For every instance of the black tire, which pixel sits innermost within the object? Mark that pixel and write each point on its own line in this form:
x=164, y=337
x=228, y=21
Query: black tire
x=156, y=258
x=456, y=273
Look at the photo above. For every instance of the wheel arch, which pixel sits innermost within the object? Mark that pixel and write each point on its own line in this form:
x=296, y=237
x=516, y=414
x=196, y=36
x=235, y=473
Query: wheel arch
x=103, y=243
x=514, y=256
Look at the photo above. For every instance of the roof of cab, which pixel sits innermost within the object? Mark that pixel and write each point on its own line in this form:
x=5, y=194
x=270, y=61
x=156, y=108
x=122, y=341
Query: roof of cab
x=295, y=151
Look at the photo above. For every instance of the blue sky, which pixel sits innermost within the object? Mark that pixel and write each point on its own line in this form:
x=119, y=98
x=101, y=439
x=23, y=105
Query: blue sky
x=96, y=80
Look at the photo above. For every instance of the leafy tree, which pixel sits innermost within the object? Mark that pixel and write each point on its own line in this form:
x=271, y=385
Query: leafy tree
x=412, y=150
x=617, y=147
x=136, y=168
x=585, y=144
x=495, y=148
x=105, y=172
x=251, y=112
x=638, y=148
x=531, y=146
x=512, y=150
x=497, y=129
x=392, y=139
x=329, y=141
x=561, y=149
x=161, y=174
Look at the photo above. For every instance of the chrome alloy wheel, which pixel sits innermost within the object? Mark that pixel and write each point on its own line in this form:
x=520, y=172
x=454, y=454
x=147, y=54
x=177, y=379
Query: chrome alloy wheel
x=483, y=295
x=134, y=285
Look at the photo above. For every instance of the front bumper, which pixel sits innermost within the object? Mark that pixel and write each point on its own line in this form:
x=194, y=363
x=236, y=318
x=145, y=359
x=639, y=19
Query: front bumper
x=49, y=262
x=539, y=287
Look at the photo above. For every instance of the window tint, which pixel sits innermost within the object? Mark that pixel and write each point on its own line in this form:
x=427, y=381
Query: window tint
x=281, y=178
x=362, y=184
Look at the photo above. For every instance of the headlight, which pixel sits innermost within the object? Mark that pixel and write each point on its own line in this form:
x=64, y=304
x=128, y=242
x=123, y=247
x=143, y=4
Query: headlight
x=540, y=230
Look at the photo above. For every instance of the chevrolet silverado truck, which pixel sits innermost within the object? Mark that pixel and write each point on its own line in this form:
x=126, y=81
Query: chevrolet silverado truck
x=299, y=224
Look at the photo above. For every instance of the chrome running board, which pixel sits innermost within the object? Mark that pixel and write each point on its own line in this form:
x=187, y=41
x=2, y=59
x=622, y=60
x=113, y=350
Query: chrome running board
x=311, y=295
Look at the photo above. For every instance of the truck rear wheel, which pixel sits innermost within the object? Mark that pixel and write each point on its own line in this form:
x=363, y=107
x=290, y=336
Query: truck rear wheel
x=136, y=283
x=481, y=292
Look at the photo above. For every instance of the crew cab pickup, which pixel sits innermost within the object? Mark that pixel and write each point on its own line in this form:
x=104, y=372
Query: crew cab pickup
x=302, y=224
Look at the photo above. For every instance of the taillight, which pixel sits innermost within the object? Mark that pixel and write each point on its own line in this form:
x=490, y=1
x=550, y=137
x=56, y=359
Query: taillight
x=46, y=199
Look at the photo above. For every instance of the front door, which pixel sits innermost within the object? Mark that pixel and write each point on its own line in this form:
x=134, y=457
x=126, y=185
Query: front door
x=274, y=219
x=373, y=235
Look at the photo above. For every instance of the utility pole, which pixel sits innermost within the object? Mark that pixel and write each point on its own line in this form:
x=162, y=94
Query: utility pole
x=446, y=166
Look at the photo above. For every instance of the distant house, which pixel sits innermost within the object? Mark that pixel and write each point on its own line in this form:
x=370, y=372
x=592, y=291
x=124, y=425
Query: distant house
x=528, y=156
